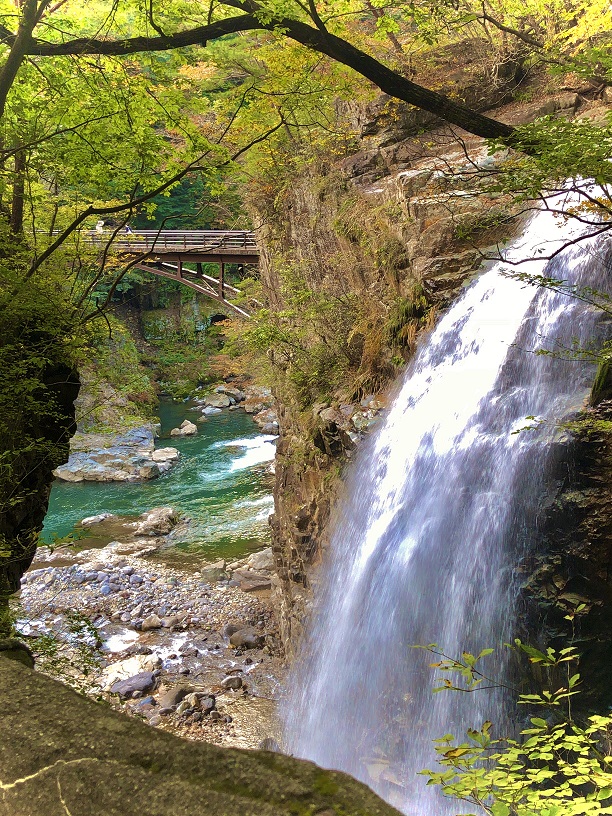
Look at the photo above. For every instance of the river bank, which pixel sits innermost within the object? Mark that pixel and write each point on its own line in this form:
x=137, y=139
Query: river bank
x=191, y=656
x=166, y=615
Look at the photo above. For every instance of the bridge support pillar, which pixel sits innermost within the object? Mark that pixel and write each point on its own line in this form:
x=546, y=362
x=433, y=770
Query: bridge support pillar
x=221, y=280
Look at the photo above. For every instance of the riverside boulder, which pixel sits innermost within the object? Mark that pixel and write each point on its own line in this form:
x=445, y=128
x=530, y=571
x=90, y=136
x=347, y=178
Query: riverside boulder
x=127, y=457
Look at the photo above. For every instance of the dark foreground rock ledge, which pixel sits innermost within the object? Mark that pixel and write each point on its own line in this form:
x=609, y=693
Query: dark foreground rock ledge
x=61, y=753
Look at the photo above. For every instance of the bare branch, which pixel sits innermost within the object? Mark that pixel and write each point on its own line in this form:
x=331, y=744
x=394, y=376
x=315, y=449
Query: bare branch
x=508, y=30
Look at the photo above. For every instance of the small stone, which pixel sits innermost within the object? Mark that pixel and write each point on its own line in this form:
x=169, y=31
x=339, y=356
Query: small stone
x=207, y=704
x=155, y=720
x=152, y=622
x=135, y=580
x=193, y=700
x=231, y=682
x=214, y=715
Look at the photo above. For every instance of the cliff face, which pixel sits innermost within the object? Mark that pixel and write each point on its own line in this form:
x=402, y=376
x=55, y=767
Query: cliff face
x=368, y=248
x=567, y=589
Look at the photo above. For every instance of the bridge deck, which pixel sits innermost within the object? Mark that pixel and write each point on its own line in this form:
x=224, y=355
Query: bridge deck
x=198, y=244
x=163, y=253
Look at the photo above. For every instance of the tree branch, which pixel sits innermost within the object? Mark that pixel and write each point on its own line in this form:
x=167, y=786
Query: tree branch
x=19, y=50
x=515, y=33
x=321, y=41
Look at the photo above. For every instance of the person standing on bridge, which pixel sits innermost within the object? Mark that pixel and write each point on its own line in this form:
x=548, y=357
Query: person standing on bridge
x=100, y=227
x=128, y=230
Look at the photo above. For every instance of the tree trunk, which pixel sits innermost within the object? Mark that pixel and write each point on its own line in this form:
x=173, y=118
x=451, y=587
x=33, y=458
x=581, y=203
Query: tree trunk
x=26, y=474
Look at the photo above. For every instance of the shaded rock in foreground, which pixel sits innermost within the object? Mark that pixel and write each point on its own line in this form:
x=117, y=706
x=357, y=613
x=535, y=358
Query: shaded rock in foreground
x=79, y=757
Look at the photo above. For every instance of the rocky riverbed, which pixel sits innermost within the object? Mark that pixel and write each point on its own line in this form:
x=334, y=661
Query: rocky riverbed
x=132, y=456
x=195, y=653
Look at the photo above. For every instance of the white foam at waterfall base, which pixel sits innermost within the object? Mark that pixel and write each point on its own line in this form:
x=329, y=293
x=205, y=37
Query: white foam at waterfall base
x=441, y=507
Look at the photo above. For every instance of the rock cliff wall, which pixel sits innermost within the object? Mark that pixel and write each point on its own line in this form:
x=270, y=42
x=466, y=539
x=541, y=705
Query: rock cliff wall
x=567, y=589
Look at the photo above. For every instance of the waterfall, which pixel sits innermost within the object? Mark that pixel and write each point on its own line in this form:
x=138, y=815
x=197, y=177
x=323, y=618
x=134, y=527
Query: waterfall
x=441, y=504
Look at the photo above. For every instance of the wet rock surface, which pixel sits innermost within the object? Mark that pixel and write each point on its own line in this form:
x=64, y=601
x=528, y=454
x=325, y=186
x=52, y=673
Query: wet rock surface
x=126, y=457
x=566, y=585
x=185, y=654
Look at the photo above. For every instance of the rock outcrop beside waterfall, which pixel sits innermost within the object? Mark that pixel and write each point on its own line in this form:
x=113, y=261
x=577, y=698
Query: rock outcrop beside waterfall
x=569, y=575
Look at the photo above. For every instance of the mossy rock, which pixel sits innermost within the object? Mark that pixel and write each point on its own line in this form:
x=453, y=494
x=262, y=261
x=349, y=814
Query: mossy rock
x=61, y=753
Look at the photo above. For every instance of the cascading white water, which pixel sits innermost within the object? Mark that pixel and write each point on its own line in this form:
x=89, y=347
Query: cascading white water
x=441, y=504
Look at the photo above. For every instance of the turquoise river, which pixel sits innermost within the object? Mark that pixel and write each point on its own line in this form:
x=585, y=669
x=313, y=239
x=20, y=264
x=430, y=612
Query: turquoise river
x=222, y=483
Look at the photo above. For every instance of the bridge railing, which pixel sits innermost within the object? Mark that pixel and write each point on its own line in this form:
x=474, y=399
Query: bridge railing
x=174, y=240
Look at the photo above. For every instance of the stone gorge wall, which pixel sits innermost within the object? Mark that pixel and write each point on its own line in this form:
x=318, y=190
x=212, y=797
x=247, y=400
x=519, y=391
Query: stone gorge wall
x=567, y=589
x=404, y=213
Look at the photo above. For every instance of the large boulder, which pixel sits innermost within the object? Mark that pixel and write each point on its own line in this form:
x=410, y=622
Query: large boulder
x=61, y=753
x=156, y=522
x=127, y=457
x=218, y=401
x=262, y=560
x=186, y=428
x=164, y=455
x=139, y=683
